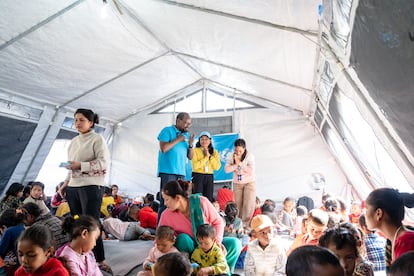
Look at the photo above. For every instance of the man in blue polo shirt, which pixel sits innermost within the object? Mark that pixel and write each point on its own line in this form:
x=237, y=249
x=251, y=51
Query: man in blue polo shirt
x=176, y=145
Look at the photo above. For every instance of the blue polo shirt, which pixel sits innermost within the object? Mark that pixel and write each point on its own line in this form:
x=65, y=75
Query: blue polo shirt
x=175, y=160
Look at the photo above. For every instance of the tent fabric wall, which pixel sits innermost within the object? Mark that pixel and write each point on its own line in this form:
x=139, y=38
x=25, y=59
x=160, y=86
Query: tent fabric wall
x=16, y=135
x=286, y=147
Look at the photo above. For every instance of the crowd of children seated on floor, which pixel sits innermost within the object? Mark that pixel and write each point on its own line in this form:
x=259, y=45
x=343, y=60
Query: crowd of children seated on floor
x=299, y=239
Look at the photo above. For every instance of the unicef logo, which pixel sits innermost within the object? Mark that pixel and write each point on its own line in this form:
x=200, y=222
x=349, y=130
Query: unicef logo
x=224, y=153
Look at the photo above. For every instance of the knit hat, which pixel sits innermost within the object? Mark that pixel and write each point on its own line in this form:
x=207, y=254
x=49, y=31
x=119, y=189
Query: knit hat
x=260, y=222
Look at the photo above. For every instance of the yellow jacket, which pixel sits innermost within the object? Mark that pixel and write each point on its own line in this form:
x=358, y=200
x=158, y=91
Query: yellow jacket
x=200, y=161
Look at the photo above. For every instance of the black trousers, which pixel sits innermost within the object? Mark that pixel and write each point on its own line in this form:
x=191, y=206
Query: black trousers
x=87, y=200
x=204, y=184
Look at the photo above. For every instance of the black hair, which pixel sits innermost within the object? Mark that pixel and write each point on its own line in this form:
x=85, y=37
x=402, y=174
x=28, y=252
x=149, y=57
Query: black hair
x=89, y=114
x=13, y=190
x=11, y=217
x=39, y=235
x=107, y=190
x=340, y=237
x=32, y=209
x=325, y=196
x=270, y=202
x=270, y=208
x=182, y=115
x=149, y=197
x=37, y=183
x=177, y=187
x=301, y=210
x=303, y=259
x=210, y=146
x=288, y=199
x=26, y=189
x=75, y=225
x=154, y=205
x=173, y=264
x=206, y=230
x=241, y=143
x=390, y=201
x=363, y=222
x=331, y=204
x=403, y=265
x=231, y=211
x=165, y=232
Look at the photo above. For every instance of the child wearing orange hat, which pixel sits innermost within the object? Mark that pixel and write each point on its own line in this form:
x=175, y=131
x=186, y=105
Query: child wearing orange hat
x=264, y=255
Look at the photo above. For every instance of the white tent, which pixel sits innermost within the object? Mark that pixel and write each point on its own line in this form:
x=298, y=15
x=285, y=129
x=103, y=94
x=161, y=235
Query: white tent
x=305, y=67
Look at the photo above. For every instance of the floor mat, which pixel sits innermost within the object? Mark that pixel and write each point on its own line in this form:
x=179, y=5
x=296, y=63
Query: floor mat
x=124, y=256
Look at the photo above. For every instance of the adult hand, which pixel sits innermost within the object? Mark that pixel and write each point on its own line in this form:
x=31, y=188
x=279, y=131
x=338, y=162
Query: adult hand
x=206, y=152
x=191, y=140
x=180, y=138
x=236, y=159
x=205, y=271
x=74, y=165
x=223, y=249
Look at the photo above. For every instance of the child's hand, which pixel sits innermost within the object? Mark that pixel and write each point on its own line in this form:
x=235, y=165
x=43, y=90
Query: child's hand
x=148, y=265
x=205, y=271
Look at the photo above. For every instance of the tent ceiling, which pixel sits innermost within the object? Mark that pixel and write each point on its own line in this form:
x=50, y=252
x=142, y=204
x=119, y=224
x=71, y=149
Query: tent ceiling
x=66, y=54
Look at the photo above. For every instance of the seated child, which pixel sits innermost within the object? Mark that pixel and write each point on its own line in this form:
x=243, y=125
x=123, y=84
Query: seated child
x=83, y=232
x=117, y=198
x=125, y=230
x=148, y=218
x=257, y=209
x=164, y=244
x=35, y=253
x=57, y=199
x=403, y=265
x=208, y=255
x=301, y=213
x=37, y=197
x=131, y=213
x=362, y=266
x=287, y=215
x=374, y=245
x=12, y=197
x=344, y=245
x=269, y=209
x=355, y=212
x=264, y=255
x=173, y=264
x=107, y=199
x=315, y=226
x=224, y=195
x=11, y=223
x=312, y=260
x=234, y=225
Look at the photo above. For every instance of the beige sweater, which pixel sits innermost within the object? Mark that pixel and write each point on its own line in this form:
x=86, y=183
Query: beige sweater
x=92, y=152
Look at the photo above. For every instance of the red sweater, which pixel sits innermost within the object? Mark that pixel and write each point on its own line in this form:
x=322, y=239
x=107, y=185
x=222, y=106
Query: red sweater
x=52, y=267
x=224, y=195
x=148, y=218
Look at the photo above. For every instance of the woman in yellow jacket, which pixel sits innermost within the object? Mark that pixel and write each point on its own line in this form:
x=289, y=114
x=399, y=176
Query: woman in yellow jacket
x=205, y=161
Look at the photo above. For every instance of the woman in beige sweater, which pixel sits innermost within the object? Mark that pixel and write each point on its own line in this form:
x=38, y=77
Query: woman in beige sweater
x=88, y=157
